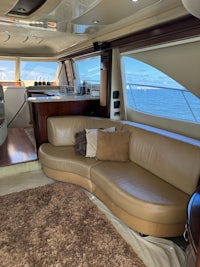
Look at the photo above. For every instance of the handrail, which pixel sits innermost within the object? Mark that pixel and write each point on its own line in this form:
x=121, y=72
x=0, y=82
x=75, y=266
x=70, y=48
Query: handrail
x=183, y=91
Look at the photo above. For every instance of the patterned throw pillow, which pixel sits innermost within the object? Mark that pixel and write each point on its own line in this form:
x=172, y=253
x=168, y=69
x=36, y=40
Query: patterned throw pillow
x=81, y=142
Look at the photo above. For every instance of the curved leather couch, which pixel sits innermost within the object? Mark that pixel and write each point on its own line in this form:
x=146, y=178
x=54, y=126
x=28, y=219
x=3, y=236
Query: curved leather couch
x=150, y=192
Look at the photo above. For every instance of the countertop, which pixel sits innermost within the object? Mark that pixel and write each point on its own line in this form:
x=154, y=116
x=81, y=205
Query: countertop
x=53, y=94
x=61, y=98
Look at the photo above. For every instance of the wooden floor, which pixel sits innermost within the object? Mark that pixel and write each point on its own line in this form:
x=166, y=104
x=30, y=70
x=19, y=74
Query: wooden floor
x=17, y=148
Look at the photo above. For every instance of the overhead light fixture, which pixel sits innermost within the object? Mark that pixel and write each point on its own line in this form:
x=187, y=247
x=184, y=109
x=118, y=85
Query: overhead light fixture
x=25, y=8
x=21, y=10
x=95, y=21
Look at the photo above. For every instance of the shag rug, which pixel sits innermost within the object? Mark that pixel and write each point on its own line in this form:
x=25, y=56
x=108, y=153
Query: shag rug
x=58, y=225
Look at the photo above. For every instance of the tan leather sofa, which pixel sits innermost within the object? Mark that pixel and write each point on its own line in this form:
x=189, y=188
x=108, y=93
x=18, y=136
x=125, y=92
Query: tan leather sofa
x=150, y=192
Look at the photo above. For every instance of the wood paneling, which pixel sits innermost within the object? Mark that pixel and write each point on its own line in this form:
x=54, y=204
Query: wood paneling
x=42, y=110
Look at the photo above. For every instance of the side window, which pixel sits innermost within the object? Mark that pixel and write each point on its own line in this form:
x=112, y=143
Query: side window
x=87, y=72
x=38, y=71
x=150, y=91
x=7, y=70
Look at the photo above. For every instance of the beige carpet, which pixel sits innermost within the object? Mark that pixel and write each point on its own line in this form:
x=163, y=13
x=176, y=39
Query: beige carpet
x=57, y=225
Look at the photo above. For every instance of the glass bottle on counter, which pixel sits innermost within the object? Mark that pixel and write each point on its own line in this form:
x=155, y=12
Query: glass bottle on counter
x=48, y=82
x=40, y=81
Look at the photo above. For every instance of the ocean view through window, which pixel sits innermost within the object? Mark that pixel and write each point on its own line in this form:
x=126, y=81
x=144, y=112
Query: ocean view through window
x=27, y=70
x=151, y=91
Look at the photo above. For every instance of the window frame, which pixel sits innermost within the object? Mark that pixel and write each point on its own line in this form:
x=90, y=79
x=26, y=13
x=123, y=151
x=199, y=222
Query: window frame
x=184, y=128
x=17, y=79
x=167, y=111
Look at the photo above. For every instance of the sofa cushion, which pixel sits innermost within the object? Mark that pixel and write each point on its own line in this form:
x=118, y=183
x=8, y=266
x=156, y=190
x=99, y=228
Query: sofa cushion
x=62, y=129
x=113, y=146
x=65, y=158
x=136, y=190
x=175, y=161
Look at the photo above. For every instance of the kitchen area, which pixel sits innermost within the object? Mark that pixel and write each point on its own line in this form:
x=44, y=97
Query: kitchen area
x=46, y=101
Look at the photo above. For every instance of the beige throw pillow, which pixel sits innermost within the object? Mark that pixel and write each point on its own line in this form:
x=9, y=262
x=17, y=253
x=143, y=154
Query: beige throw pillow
x=91, y=137
x=113, y=146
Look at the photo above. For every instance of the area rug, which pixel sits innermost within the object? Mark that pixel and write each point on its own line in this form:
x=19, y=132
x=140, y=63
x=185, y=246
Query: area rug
x=57, y=225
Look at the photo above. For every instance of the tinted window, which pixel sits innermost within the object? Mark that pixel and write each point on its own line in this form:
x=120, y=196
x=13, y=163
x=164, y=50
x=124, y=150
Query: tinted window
x=7, y=70
x=151, y=91
x=38, y=70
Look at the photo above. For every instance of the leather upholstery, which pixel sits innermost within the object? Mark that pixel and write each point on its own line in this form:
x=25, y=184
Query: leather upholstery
x=65, y=159
x=150, y=192
x=61, y=131
x=174, y=161
x=140, y=192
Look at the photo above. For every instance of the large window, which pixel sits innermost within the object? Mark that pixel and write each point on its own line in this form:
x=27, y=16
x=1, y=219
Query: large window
x=38, y=71
x=7, y=70
x=26, y=70
x=150, y=91
x=87, y=71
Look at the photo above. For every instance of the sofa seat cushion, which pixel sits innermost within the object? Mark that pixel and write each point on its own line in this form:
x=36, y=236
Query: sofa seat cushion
x=65, y=158
x=137, y=191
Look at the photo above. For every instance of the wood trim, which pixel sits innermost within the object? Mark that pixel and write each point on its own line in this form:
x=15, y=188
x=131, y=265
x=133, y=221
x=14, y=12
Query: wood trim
x=42, y=110
x=177, y=29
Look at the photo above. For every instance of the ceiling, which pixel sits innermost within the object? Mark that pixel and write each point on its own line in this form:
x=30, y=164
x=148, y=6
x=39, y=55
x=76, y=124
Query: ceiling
x=58, y=27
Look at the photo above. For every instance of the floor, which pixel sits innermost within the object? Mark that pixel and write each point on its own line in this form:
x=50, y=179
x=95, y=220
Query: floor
x=17, y=148
x=24, y=172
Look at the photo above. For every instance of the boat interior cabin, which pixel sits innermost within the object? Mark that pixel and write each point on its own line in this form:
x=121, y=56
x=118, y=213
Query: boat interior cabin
x=136, y=61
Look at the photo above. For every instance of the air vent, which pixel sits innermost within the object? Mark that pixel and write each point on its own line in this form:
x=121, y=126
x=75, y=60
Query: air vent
x=26, y=7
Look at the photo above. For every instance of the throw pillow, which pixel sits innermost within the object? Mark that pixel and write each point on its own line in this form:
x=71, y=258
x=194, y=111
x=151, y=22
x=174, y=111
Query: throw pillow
x=91, y=138
x=81, y=142
x=113, y=146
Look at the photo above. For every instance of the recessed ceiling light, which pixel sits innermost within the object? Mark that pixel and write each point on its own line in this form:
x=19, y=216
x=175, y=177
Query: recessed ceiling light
x=95, y=21
x=134, y=0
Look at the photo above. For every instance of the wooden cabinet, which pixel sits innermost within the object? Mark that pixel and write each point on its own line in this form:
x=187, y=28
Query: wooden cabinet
x=42, y=110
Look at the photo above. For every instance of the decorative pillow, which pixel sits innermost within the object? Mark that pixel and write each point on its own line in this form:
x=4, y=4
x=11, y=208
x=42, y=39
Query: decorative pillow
x=81, y=142
x=113, y=146
x=91, y=139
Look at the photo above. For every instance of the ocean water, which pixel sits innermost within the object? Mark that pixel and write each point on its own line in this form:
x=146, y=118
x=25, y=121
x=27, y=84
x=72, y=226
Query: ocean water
x=175, y=104
x=151, y=91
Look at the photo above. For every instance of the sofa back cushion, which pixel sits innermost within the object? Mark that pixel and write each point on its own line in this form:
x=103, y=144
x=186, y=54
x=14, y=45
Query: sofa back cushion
x=175, y=161
x=61, y=130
